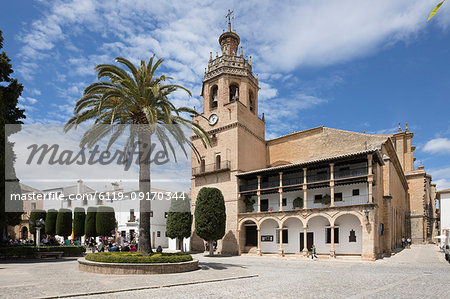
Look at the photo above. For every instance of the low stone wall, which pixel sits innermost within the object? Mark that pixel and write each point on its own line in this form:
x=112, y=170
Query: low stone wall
x=136, y=268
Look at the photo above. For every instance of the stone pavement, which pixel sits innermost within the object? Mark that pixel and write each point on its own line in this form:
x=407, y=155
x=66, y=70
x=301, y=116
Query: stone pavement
x=412, y=273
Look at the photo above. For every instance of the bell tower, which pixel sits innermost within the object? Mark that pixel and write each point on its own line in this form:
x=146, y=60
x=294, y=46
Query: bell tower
x=230, y=116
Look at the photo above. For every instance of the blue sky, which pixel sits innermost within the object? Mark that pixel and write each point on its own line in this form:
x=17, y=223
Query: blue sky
x=352, y=65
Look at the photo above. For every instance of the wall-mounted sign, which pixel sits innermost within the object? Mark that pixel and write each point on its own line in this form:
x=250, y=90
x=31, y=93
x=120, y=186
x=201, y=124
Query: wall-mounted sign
x=267, y=238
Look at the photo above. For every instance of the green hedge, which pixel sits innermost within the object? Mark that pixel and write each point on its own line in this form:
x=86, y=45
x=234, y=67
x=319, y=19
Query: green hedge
x=36, y=215
x=135, y=257
x=21, y=251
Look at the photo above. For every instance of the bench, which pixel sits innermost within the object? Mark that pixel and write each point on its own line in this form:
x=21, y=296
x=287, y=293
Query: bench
x=57, y=254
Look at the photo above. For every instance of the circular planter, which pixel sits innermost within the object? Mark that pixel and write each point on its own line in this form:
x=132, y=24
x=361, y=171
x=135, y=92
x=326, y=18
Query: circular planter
x=136, y=268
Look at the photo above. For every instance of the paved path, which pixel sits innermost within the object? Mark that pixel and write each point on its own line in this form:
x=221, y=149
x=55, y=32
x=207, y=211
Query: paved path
x=420, y=272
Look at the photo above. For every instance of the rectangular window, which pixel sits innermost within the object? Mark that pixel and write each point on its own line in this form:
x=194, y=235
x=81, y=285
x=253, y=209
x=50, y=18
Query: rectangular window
x=336, y=235
x=158, y=234
x=285, y=236
x=132, y=215
x=33, y=206
x=338, y=196
x=355, y=192
x=284, y=202
x=318, y=198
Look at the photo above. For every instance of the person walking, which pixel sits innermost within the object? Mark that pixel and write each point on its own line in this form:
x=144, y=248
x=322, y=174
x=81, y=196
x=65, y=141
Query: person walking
x=314, y=252
x=409, y=242
x=403, y=242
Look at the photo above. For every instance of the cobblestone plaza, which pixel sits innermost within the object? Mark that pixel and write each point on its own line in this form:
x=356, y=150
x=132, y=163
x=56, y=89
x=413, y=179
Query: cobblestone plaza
x=419, y=272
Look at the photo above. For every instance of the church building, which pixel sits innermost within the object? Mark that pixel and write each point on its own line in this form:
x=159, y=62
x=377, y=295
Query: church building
x=347, y=193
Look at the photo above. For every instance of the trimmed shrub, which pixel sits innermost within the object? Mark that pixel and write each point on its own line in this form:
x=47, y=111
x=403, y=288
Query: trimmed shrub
x=36, y=215
x=105, y=221
x=326, y=199
x=298, y=203
x=89, y=223
x=50, y=222
x=21, y=251
x=64, y=223
x=179, y=219
x=136, y=257
x=79, y=217
x=210, y=215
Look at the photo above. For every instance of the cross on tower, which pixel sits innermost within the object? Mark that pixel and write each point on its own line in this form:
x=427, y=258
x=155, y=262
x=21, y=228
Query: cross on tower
x=230, y=16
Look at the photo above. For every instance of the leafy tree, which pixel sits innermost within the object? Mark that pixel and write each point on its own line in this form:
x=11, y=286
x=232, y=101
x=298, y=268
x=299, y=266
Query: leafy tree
x=210, y=216
x=135, y=96
x=105, y=221
x=10, y=90
x=79, y=217
x=89, y=224
x=64, y=223
x=50, y=222
x=179, y=219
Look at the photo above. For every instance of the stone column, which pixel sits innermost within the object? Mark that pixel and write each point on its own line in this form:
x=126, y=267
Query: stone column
x=332, y=184
x=258, y=250
x=305, y=240
x=305, y=188
x=332, y=251
x=369, y=176
x=280, y=190
x=281, y=250
x=258, y=193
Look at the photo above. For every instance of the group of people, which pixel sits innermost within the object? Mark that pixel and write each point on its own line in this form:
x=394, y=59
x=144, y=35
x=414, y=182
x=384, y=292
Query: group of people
x=406, y=243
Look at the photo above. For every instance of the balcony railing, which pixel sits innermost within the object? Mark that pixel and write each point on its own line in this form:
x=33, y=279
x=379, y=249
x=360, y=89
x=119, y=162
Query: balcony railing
x=249, y=187
x=293, y=181
x=273, y=184
x=223, y=165
x=318, y=177
x=350, y=173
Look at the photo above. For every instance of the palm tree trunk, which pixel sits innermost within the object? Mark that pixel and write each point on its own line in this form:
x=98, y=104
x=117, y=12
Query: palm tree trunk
x=144, y=142
x=211, y=248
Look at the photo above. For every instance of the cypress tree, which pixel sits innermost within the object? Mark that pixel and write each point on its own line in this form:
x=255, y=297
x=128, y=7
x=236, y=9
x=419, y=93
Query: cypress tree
x=179, y=219
x=89, y=224
x=79, y=217
x=50, y=222
x=105, y=221
x=64, y=223
x=210, y=216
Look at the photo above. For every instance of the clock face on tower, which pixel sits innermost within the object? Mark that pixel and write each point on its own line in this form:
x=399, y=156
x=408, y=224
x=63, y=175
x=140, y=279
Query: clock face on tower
x=213, y=118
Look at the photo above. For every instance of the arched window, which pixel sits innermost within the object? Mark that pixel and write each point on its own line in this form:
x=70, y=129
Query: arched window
x=213, y=103
x=234, y=93
x=217, y=162
x=251, y=101
x=24, y=233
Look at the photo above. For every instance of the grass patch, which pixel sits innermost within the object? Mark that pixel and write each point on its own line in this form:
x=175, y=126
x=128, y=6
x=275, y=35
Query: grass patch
x=136, y=257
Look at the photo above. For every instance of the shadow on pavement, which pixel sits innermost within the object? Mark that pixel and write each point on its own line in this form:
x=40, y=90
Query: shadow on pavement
x=218, y=266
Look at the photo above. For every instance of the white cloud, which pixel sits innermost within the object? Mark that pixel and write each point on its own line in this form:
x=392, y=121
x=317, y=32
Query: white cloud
x=441, y=177
x=438, y=145
x=29, y=100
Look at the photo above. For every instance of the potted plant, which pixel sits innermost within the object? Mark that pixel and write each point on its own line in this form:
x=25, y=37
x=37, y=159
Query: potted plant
x=270, y=209
x=249, y=202
x=298, y=203
x=326, y=200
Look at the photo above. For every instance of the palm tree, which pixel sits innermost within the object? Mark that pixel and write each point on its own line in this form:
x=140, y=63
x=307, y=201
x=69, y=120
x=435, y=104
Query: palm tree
x=138, y=98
